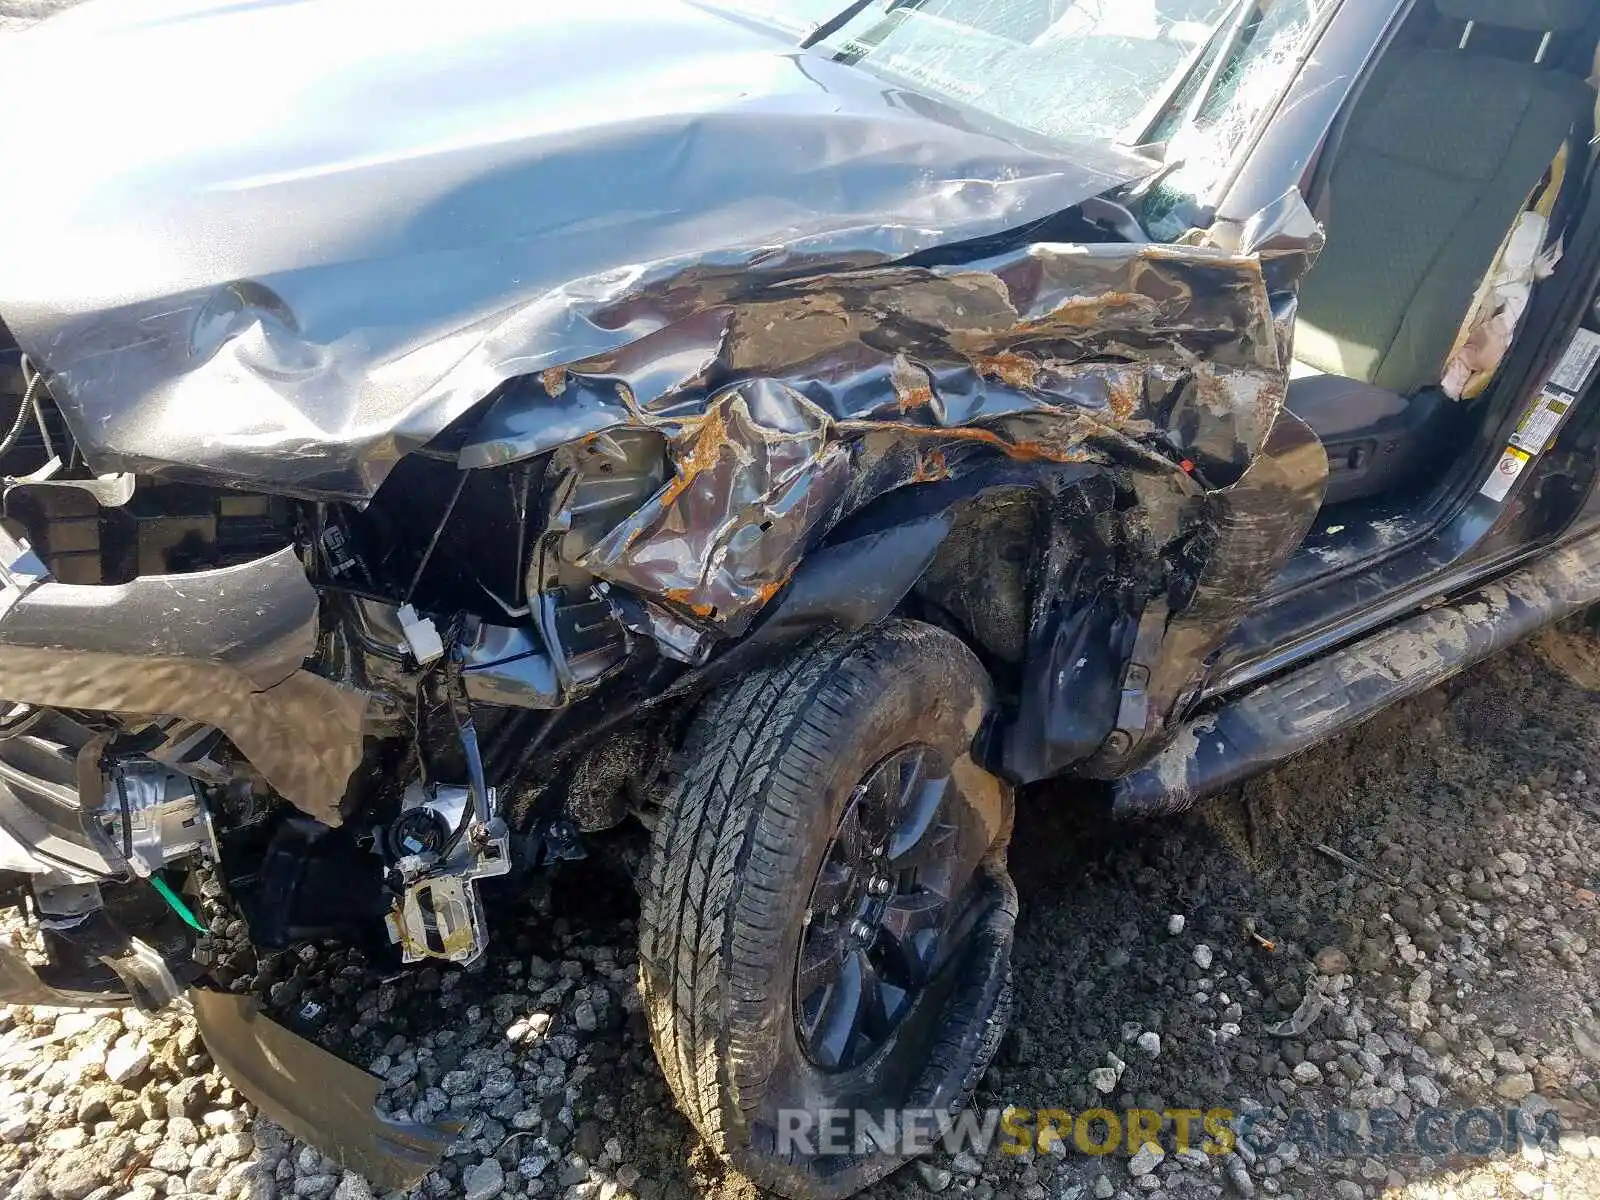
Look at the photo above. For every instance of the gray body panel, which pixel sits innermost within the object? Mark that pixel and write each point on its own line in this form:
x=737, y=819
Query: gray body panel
x=310, y=235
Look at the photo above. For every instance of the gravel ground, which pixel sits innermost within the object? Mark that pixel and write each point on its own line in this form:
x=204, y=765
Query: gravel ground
x=1457, y=963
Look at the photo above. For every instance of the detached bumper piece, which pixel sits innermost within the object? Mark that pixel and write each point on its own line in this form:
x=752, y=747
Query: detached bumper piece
x=318, y=1098
x=151, y=972
x=20, y=983
x=135, y=972
x=111, y=944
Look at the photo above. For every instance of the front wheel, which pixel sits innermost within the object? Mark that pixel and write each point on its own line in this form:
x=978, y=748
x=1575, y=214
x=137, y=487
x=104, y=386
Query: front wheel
x=828, y=921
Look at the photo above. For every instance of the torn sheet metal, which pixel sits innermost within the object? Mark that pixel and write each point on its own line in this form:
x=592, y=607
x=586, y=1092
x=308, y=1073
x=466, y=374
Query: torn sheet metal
x=788, y=409
x=299, y=283
x=1251, y=530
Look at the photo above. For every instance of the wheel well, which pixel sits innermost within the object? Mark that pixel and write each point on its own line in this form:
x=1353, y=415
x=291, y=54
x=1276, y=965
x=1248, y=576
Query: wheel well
x=977, y=585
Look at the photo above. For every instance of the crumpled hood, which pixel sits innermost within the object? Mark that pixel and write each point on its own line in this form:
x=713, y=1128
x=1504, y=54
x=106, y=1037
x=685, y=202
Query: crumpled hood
x=282, y=242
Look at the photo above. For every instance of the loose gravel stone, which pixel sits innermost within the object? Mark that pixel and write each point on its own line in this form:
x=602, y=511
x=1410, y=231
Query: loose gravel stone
x=1146, y=1160
x=1425, y=1090
x=14, y=1126
x=935, y=1179
x=966, y=1164
x=1331, y=960
x=1238, y=1176
x=484, y=1181
x=1515, y=1086
x=126, y=1063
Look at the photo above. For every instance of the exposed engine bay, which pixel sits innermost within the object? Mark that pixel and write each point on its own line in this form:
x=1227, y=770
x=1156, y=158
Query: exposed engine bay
x=425, y=822
x=358, y=712
x=124, y=796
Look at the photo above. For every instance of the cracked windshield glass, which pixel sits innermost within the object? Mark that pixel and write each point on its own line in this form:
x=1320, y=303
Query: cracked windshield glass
x=1187, y=79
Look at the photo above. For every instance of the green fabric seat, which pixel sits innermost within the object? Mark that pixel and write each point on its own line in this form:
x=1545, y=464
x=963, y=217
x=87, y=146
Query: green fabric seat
x=1439, y=156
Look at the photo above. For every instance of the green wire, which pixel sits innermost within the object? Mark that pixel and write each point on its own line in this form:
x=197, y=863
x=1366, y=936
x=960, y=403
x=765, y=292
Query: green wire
x=178, y=906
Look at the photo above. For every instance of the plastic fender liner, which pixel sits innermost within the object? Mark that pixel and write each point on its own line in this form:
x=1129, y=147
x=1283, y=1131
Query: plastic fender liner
x=1071, y=690
x=317, y=1097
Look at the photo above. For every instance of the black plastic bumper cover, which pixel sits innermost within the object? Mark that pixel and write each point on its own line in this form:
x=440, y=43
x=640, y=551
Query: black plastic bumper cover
x=317, y=1097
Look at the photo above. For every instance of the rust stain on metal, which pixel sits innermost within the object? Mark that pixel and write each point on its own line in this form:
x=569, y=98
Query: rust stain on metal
x=910, y=383
x=686, y=598
x=1125, y=401
x=1098, y=310
x=787, y=404
x=931, y=466
x=697, y=452
x=554, y=380
x=1021, y=449
x=1009, y=367
x=690, y=598
x=766, y=591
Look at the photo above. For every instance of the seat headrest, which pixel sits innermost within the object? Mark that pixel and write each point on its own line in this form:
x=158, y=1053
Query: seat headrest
x=1539, y=16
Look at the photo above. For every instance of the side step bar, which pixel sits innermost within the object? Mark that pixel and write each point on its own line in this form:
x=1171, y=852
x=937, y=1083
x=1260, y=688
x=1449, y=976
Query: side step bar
x=1256, y=730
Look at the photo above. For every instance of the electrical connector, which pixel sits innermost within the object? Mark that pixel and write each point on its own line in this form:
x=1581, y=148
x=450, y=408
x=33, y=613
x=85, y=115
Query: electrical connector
x=422, y=635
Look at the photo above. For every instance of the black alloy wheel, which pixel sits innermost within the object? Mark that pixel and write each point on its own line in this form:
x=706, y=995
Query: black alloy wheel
x=878, y=921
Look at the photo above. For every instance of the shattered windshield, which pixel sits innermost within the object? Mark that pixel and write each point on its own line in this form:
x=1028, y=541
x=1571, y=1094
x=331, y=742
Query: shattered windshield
x=1062, y=68
x=1189, y=78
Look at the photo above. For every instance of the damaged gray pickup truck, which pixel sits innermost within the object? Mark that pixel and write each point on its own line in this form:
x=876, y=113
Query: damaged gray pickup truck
x=436, y=441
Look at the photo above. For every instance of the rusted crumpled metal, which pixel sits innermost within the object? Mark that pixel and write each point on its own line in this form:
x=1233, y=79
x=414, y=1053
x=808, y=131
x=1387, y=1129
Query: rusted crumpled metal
x=788, y=409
